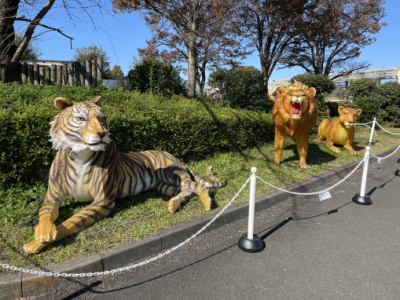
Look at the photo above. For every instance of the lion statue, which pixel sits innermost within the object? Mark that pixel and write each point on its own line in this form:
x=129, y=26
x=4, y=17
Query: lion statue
x=341, y=131
x=295, y=114
x=89, y=167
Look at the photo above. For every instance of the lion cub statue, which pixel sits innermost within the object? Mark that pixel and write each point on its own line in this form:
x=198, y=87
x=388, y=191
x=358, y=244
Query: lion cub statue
x=340, y=131
x=295, y=114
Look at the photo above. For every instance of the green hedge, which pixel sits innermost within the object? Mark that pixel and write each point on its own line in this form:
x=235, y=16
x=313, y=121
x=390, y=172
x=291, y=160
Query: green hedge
x=137, y=122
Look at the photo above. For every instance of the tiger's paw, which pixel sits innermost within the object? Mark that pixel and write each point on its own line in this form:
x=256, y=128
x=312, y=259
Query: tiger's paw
x=173, y=206
x=46, y=231
x=207, y=201
x=317, y=140
x=34, y=247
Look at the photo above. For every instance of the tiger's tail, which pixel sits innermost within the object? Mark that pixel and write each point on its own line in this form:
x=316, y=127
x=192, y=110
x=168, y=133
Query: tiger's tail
x=327, y=112
x=220, y=182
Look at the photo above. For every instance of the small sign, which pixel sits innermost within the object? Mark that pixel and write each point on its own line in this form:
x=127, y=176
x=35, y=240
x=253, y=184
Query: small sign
x=325, y=195
x=379, y=167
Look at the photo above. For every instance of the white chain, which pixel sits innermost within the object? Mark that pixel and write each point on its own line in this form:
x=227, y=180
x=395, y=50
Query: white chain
x=132, y=266
x=388, y=155
x=364, y=123
x=315, y=193
x=386, y=130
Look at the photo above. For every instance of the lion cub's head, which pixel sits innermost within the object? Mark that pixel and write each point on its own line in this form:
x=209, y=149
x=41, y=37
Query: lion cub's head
x=296, y=99
x=348, y=116
x=79, y=126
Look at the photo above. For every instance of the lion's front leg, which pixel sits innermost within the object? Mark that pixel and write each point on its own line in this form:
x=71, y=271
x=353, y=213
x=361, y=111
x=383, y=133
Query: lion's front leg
x=278, y=146
x=349, y=148
x=302, y=149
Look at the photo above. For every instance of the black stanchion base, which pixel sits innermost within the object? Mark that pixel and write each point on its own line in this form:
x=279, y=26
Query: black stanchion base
x=398, y=160
x=363, y=200
x=397, y=173
x=369, y=143
x=253, y=246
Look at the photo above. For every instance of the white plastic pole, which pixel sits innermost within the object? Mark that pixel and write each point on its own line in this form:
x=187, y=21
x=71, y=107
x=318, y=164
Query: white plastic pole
x=372, y=130
x=365, y=171
x=252, y=203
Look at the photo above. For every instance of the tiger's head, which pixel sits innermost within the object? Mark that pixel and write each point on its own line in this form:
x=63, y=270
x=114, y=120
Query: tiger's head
x=295, y=99
x=79, y=126
x=348, y=116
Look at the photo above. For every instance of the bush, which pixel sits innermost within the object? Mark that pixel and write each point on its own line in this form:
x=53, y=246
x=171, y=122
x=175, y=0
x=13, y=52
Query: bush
x=243, y=88
x=390, y=97
x=154, y=76
x=137, y=122
x=362, y=87
x=370, y=106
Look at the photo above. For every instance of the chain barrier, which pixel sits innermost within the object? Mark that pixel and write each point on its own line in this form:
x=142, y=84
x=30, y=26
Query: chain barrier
x=397, y=149
x=365, y=125
x=42, y=273
x=387, y=130
x=314, y=193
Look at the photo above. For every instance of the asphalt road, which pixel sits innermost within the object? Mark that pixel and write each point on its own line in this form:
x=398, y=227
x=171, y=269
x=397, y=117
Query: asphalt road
x=334, y=249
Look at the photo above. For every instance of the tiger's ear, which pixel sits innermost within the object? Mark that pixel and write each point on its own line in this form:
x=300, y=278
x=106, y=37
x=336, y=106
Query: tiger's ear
x=62, y=103
x=97, y=100
x=359, y=111
x=313, y=91
x=340, y=109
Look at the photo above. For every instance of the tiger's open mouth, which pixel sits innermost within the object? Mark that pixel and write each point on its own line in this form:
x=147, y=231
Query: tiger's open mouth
x=295, y=109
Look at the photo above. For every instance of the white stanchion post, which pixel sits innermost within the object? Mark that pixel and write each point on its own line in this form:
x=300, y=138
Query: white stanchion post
x=370, y=142
x=362, y=198
x=252, y=203
x=250, y=242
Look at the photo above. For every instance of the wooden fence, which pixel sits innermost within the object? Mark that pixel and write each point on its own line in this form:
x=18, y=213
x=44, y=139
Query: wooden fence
x=84, y=73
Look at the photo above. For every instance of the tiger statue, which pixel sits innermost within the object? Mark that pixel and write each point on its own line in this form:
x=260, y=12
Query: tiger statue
x=89, y=167
x=341, y=131
x=295, y=114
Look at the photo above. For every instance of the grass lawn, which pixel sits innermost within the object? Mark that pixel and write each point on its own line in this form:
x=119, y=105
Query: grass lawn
x=234, y=167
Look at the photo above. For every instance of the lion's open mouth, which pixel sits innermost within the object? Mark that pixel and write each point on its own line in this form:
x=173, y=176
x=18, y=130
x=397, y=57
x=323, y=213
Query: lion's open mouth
x=295, y=109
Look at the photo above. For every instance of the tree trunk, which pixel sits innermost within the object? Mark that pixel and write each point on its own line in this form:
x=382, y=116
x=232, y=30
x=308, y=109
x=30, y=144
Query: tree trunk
x=264, y=70
x=192, y=51
x=8, y=9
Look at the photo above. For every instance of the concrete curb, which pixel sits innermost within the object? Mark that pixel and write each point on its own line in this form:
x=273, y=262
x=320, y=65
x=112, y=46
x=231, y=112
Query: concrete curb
x=23, y=285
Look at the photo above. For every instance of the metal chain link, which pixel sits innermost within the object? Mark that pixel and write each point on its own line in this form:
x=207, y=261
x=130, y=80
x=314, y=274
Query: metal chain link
x=397, y=149
x=386, y=130
x=6, y=266
x=314, y=193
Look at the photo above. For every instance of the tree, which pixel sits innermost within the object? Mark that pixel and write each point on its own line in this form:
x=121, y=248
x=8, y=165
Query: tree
x=32, y=52
x=116, y=71
x=31, y=14
x=243, y=88
x=333, y=36
x=270, y=26
x=155, y=76
x=90, y=53
x=217, y=47
x=362, y=87
x=190, y=20
x=216, y=78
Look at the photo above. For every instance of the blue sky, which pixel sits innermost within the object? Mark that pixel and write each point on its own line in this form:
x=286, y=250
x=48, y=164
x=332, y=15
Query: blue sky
x=129, y=32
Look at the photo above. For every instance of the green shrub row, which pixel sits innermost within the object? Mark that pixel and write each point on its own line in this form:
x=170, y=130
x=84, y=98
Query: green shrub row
x=137, y=122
